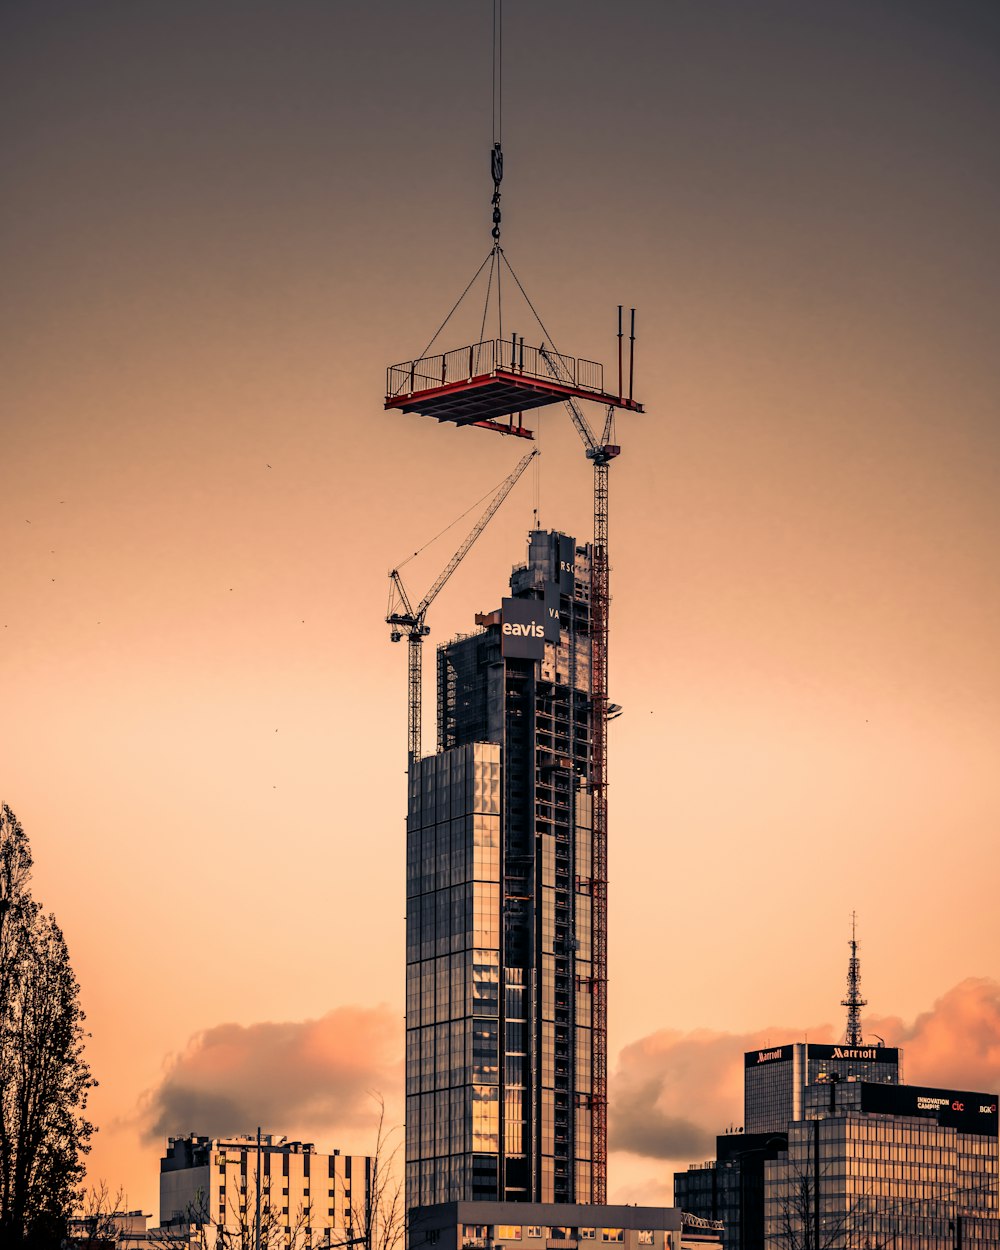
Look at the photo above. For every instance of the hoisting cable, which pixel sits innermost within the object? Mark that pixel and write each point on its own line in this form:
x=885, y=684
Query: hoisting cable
x=528, y=302
x=451, y=524
x=497, y=99
x=486, y=303
x=496, y=154
x=496, y=171
x=499, y=298
x=433, y=340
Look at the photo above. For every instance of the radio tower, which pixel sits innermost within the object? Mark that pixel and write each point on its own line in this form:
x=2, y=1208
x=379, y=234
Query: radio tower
x=854, y=1002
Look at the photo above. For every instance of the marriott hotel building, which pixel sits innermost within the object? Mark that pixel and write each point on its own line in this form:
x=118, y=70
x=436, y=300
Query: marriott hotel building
x=776, y=1078
x=838, y=1154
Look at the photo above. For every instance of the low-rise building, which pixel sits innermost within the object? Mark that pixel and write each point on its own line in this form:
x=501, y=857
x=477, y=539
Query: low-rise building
x=289, y=1193
x=557, y=1226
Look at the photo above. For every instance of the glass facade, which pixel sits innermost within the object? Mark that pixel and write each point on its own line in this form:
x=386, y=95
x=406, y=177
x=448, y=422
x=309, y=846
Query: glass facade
x=500, y=966
x=775, y=1078
x=854, y=1177
x=863, y=1164
x=453, y=974
x=731, y=1188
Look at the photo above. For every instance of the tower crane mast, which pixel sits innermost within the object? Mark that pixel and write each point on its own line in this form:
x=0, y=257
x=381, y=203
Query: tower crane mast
x=600, y=452
x=407, y=621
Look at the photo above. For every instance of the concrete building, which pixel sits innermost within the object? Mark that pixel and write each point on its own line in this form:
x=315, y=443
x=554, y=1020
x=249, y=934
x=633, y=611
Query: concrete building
x=557, y=1226
x=120, y=1230
x=505, y=1053
x=294, y=1194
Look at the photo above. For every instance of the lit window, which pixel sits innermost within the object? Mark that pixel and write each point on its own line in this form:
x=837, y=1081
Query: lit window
x=612, y=1234
x=508, y=1232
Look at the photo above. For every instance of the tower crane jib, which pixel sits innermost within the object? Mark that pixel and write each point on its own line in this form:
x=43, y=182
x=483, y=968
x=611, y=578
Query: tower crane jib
x=411, y=623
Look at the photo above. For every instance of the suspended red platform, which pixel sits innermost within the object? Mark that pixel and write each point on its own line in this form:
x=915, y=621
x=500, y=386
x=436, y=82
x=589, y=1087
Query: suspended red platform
x=487, y=381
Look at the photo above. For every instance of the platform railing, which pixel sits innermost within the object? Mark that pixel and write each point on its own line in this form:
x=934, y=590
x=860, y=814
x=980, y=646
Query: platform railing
x=589, y=375
x=484, y=358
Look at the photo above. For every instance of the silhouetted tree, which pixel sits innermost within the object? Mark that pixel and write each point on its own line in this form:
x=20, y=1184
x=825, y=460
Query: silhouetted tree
x=98, y=1222
x=44, y=1078
x=381, y=1223
x=239, y=1228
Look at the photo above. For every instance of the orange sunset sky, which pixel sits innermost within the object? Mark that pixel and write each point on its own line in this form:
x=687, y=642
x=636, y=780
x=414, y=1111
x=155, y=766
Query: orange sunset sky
x=221, y=222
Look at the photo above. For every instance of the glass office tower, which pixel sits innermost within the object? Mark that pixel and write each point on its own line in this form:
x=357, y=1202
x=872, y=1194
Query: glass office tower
x=775, y=1078
x=840, y=1156
x=905, y=1166
x=499, y=971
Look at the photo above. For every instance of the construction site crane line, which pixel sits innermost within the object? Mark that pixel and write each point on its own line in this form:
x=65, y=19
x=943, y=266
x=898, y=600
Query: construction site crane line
x=496, y=100
x=411, y=621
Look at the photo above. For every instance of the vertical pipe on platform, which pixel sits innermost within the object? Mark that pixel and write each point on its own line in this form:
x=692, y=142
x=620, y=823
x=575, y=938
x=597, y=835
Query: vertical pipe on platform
x=619, y=353
x=631, y=356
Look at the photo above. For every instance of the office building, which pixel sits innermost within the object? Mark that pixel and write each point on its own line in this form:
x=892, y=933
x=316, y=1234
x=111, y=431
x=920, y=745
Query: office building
x=125, y=1230
x=905, y=1166
x=776, y=1078
x=231, y=1187
x=505, y=1054
x=838, y=1154
x=861, y=1164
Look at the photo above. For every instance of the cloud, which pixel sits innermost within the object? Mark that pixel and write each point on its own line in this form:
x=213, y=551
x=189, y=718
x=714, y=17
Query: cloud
x=956, y=1043
x=670, y=1095
x=673, y=1092
x=290, y=1077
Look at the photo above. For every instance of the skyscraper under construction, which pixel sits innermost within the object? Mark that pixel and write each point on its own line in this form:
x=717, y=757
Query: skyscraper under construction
x=505, y=1069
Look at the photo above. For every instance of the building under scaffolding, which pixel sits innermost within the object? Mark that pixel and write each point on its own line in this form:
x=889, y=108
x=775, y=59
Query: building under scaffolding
x=501, y=965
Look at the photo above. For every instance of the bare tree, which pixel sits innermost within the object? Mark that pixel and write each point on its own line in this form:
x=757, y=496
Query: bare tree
x=381, y=1220
x=96, y=1222
x=806, y=1215
x=44, y=1078
x=804, y=1221
x=241, y=1228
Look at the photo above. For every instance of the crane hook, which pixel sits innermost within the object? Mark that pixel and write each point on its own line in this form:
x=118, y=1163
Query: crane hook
x=496, y=170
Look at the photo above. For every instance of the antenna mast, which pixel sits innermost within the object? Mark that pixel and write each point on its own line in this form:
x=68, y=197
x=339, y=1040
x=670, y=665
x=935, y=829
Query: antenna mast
x=854, y=1002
